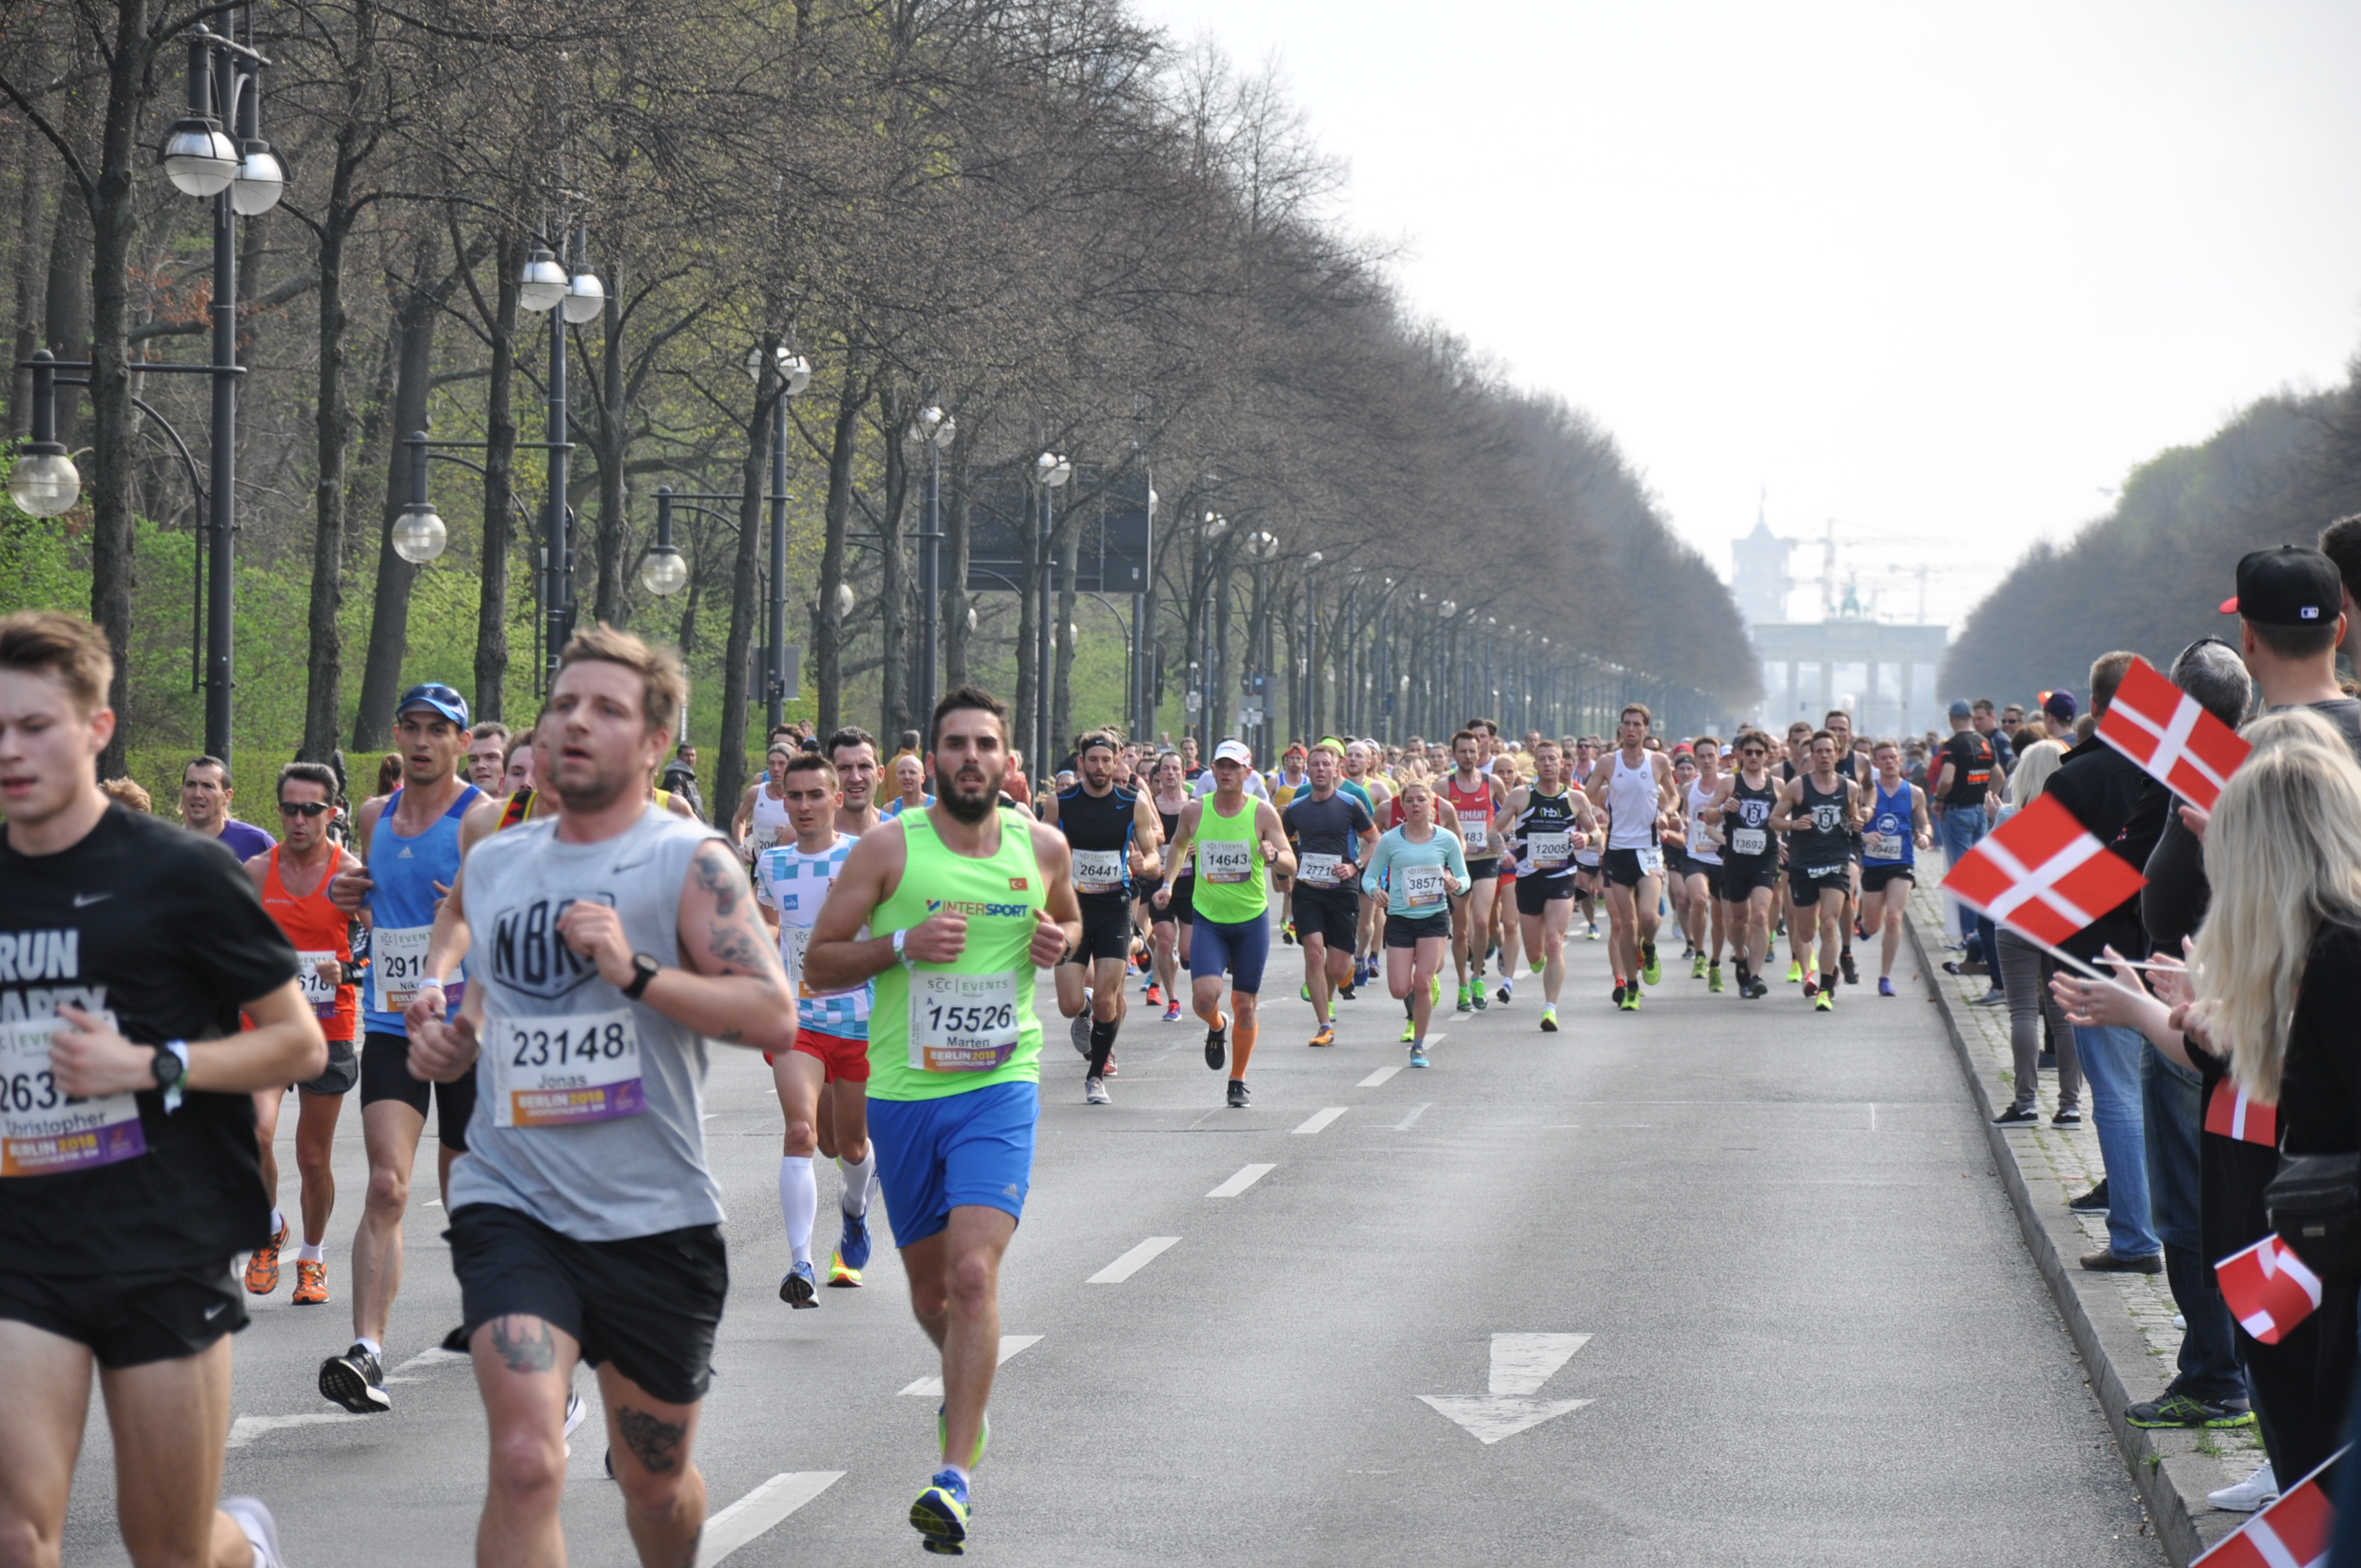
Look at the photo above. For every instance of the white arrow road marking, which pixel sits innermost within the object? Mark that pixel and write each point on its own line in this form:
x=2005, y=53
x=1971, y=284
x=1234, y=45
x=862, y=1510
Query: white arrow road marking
x=1319, y=1119
x=1132, y=1262
x=246, y=1429
x=1378, y=1077
x=1246, y=1177
x=759, y=1509
x=1406, y=1123
x=1521, y=1364
x=933, y=1387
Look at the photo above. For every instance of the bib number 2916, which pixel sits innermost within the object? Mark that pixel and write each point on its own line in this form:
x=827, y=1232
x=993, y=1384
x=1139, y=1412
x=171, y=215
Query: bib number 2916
x=963, y=1022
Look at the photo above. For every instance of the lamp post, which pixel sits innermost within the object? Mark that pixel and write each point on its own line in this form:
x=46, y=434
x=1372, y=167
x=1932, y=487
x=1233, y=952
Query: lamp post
x=242, y=178
x=1052, y=470
x=1209, y=534
x=1310, y=647
x=936, y=429
x=1261, y=548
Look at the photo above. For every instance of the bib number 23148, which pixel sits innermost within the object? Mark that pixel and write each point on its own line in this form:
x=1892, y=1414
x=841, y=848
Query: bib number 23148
x=963, y=1022
x=43, y=1129
x=567, y=1069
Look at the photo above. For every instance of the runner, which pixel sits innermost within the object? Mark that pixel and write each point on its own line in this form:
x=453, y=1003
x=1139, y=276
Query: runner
x=516, y=770
x=1702, y=864
x=1169, y=922
x=1332, y=835
x=1740, y=813
x=1896, y=829
x=832, y=1045
x=1236, y=838
x=854, y=751
x=762, y=817
x=292, y=881
x=1546, y=823
x=967, y=904
x=1816, y=810
x=487, y=745
x=1287, y=781
x=205, y=797
x=1363, y=782
x=1673, y=839
x=1856, y=768
x=1111, y=835
x=1507, y=773
x=1423, y=868
x=585, y=1225
x=909, y=788
x=405, y=872
x=126, y=1205
x=1474, y=797
x=1635, y=787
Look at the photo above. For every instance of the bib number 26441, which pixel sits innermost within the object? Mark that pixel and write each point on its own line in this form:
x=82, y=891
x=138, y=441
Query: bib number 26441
x=963, y=1022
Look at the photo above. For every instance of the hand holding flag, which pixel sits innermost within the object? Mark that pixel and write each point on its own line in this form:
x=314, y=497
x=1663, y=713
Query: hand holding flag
x=2268, y=1287
x=2162, y=728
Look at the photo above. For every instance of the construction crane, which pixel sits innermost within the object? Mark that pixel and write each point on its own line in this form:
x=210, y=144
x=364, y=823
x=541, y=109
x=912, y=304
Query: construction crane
x=1830, y=543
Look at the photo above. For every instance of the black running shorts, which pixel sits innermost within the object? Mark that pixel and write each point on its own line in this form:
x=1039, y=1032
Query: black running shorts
x=1741, y=875
x=1409, y=930
x=1478, y=871
x=385, y=1075
x=1623, y=868
x=344, y=1071
x=1535, y=894
x=1806, y=884
x=1106, y=931
x=1331, y=914
x=650, y=1304
x=1873, y=879
x=132, y=1319
x=1181, y=910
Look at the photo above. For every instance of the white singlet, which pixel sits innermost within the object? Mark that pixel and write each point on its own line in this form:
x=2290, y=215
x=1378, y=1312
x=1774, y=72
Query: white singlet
x=1702, y=848
x=1631, y=801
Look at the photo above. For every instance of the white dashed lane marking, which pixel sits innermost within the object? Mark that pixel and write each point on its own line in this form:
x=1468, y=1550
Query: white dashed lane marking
x=1132, y=1262
x=1318, y=1120
x=933, y=1387
x=1246, y=1177
x=759, y=1509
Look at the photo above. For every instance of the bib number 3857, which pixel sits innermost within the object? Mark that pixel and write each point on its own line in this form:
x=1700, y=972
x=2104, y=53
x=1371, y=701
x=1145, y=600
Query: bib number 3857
x=963, y=1022
x=567, y=1070
x=43, y=1129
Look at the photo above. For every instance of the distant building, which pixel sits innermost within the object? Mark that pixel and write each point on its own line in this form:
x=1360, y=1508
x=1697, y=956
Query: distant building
x=1881, y=674
x=1759, y=579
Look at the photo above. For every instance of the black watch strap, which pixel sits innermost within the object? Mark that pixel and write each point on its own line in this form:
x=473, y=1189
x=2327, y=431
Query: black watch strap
x=643, y=970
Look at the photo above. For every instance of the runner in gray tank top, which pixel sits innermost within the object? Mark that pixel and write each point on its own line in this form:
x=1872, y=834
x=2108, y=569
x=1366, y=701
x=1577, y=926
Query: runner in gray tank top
x=612, y=944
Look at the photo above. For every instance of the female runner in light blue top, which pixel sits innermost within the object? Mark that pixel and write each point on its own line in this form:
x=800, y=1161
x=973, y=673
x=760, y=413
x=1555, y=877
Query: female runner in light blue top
x=1422, y=868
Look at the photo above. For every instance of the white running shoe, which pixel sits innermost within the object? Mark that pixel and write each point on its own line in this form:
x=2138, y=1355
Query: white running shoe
x=574, y=1410
x=261, y=1531
x=2248, y=1494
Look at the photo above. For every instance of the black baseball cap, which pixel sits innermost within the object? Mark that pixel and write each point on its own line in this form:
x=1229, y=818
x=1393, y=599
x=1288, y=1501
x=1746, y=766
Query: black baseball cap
x=2292, y=586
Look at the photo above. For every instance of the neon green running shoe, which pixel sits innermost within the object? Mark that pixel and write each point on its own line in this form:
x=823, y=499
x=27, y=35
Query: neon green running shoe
x=1549, y=1020
x=1824, y=1002
x=1795, y=973
x=1631, y=1000
x=1410, y=1031
x=943, y=1436
x=940, y=1513
x=1697, y=969
x=1713, y=979
x=1537, y=965
x=1434, y=990
x=1651, y=973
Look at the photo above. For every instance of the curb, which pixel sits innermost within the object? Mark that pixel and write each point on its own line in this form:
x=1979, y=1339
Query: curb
x=2168, y=1473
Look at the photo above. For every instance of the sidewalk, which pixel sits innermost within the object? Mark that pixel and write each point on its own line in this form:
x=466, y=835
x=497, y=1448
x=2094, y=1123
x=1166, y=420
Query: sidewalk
x=2121, y=1323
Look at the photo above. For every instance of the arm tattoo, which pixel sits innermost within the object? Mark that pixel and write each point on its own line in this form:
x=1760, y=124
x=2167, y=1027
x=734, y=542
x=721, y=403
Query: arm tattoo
x=655, y=1442
x=524, y=1344
x=734, y=949
x=720, y=876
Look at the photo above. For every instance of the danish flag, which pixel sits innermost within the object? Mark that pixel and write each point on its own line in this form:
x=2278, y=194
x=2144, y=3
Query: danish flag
x=2162, y=728
x=2294, y=1532
x=2268, y=1289
x=2229, y=1114
x=2042, y=873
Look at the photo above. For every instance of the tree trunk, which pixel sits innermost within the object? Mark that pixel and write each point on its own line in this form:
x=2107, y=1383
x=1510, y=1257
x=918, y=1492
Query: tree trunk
x=894, y=601
x=65, y=302
x=1029, y=608
x=1217, y=685
x=417, y=311
x=729, y=769
x=333, y=428
x=499, y=489
x=612, y=442
x=827, y=615
x=30, y=284
x=1062, y=637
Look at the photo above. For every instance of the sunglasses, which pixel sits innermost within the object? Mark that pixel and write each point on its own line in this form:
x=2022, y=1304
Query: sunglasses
x=304, y=808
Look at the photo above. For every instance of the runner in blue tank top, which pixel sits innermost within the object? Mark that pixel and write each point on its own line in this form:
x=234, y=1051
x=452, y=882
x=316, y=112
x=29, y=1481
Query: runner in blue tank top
x=409, y=843
x=1897, y=830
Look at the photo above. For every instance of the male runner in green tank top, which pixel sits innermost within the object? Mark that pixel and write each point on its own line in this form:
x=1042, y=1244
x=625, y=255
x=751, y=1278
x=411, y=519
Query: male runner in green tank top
x=967, y=902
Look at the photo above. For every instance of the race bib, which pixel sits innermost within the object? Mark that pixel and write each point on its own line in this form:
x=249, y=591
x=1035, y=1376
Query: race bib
x=43, y=1129
x=1098, y=870
x=793, y=942
x=397, y=963
x=1882, y=846
x=1475, y=831
x=1749, y=841
x=319, y=993
x=1651, y=860
x=1319, y=871
x=567, y=1069
x=1548, y=851
x=1423, y=886
x=964, y=1023
x=1224, y=860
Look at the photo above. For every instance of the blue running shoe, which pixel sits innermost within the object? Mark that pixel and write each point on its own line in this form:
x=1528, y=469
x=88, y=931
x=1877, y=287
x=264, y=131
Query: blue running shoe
x=943, y=1437
x=1418, y=1056
x=940, y=1512
x=853, y=1246
x=796, y=1288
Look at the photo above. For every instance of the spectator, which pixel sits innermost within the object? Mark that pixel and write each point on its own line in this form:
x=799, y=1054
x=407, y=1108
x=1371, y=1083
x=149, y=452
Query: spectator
x=680, y=778
x=1963, y=778
x=389, y=774
x=128, y=792
x=2022, y=972
x=1987, y=722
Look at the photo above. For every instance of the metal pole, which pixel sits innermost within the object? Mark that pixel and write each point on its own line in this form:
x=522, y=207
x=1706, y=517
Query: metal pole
x=557, y=601
x=930, y=587
x=220, y=588
x=1042, y=640
x=774, y=678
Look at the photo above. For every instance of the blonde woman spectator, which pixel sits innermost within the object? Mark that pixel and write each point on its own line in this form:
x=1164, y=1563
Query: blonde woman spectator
x=128, y=792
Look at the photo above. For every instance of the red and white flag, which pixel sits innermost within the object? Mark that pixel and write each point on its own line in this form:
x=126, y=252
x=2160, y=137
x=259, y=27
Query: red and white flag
x=2162, y=728
x=2229, y=1114
x=2294, y=1532
x=2268, y=1289
x=2042, y=873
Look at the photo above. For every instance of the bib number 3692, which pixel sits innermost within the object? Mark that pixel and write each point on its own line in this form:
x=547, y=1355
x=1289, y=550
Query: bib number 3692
x=567, y=1070
x=963, y=1022
x=43, y=1129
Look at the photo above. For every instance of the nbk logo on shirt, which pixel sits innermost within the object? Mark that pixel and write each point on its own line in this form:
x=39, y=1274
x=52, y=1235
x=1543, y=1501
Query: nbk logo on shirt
x=531, y=957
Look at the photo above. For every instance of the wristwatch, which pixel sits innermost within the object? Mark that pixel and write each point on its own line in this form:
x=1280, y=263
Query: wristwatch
x=644, y=969
x=170, y=1066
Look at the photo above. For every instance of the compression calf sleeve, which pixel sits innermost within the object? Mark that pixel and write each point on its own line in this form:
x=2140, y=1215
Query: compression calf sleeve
x=1102, y=1044
x=799, y=1202
x=1242, y=1043
x=858, y=1180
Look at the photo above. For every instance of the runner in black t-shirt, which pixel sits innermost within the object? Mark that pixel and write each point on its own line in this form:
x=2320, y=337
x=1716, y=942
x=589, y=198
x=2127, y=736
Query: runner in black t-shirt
x=129, y=1176
x=1333, y=834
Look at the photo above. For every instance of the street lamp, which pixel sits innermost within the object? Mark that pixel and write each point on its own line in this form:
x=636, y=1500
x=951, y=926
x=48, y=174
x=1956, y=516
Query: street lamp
x=45, y=482
x=661, y=571
x=1310, y=672
x=936, y=430
x=1209, y=535
x=1052, y=470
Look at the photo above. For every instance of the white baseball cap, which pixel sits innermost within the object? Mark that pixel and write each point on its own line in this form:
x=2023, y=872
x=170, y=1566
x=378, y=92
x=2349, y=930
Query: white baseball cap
x=1233, y=751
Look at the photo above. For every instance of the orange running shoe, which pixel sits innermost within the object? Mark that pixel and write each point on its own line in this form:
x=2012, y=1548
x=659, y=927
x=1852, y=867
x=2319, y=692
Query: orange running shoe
x=262, y=1268
x=310, y=1284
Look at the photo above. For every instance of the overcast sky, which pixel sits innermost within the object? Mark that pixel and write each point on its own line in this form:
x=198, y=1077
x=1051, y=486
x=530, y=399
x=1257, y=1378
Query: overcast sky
x=1936, y=273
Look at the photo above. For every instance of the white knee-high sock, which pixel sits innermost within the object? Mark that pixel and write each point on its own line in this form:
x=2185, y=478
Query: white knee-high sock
x=798, y=1202
x=858, y=1180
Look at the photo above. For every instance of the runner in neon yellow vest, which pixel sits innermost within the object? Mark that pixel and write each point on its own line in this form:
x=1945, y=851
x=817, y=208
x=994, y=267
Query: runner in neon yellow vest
x=967, y=903
x=1236, y=839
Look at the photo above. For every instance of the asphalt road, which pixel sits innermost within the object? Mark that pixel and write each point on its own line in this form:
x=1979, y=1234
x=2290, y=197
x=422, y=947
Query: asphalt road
x=1813, y=1334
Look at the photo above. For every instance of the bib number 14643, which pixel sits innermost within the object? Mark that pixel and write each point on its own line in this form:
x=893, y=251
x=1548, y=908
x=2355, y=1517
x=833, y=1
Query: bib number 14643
x=567, y=1069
